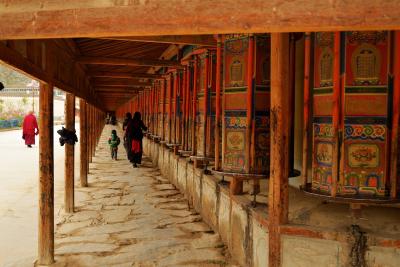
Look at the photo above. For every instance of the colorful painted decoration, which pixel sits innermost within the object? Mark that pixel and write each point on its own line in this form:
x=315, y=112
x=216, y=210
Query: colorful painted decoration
x=363, y=122
x=236, y=154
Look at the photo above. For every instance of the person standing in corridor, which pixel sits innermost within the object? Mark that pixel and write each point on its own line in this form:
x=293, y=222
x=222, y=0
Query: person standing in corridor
x=30, y=129
x=135, y=131
x=127, y=139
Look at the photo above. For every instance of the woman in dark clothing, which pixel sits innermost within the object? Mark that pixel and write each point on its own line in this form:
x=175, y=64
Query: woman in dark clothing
x=127, y=139
x=134, y=129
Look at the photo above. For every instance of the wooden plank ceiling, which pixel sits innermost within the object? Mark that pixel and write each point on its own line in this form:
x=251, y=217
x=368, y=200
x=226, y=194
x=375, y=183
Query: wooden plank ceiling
x=118, y=69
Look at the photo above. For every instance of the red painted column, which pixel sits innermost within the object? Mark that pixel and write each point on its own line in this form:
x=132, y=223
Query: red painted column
x=175, y=89
x=336, y=112
x=396, y=117
x=194, y=113
x=249, y=100
x=218, y=103
x=205, y=103
x=306, y=119
x=187, y=107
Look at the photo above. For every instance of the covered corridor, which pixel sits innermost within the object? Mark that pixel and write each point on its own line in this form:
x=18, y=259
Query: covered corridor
x=276, y=123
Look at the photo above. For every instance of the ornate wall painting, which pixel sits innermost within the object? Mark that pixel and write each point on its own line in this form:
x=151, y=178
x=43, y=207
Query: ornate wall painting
x=322, y=157
x=235, y=142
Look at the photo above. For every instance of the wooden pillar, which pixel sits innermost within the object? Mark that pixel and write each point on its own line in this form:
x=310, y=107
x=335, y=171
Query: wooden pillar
x=187, y=106
x=396, y=116
x=175, y=107
x=69, y=155
x=280, y=129
x=89, y=132
x=83, y=143
x=306, y=120
x=218, y=102
x=163, y=110
x=183, y=113
x=46, y=176
x=170, y=140
x=336, y=112
x=93, y=132
x=205, y=103
x=194, y=106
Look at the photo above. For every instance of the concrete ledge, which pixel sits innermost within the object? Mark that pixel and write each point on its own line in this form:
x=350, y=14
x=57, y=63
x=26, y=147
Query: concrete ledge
x=244, y=229
x=198, y=175
x=182, y=174
x=190, y=188
x=301, y=251
x=259, y=242
x=209, y=199
x=239, y=239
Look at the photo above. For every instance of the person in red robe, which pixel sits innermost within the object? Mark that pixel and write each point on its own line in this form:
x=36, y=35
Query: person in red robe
x=30, y=129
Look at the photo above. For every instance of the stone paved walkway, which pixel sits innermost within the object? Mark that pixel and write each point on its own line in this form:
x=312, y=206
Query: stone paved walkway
x=133, y=217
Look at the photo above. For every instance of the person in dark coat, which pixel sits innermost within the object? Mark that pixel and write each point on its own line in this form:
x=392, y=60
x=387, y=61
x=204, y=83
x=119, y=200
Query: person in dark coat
x=127, y=139
x=135, y=131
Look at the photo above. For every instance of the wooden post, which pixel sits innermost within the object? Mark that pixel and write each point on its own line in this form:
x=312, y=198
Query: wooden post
x=92, y=127
x=249, y=113
x=194, y=114
x=83, y=143
x=218, y=102
x=69, y=155
x=336, y=112
x=89, y=131
x=175, y=107
x=46, y=177
x=183, y=117
x=163, y=109
x=169, y=118
x=205, y=103
x=279, y=167
x=306, y=120
x=187, y=107
x=396, y=116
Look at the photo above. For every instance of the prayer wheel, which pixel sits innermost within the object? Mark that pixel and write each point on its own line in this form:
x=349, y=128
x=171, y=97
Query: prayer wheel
x=205, y=115
x=246, y=104
x=350, y=106
x=168, y=108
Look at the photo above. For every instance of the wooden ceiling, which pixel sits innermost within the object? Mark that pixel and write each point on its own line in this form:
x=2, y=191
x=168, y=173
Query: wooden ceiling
x=118, y=69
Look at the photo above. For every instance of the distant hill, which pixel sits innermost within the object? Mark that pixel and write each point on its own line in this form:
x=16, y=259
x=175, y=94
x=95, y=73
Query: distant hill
x=11, y=78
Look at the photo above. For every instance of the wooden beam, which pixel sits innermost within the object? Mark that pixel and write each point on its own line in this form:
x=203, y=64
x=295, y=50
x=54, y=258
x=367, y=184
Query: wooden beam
x=69, y=173
x=116, y=90
x=46, y=176
x=105, y=74
x=65, y=19
x=203, y=40
x=49, y=53
x=278, y=199
x=127, y=62
x=120, y=84
x=83, y=142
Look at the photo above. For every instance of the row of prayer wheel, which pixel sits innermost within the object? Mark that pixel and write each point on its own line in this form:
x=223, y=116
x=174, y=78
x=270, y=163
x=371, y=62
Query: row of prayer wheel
x=217, y=111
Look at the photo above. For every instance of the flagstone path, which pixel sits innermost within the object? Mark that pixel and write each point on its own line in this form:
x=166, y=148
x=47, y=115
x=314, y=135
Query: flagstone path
x=133, y=217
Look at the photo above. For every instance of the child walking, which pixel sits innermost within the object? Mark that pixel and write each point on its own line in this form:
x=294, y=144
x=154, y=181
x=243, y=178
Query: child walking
x=114, y=141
